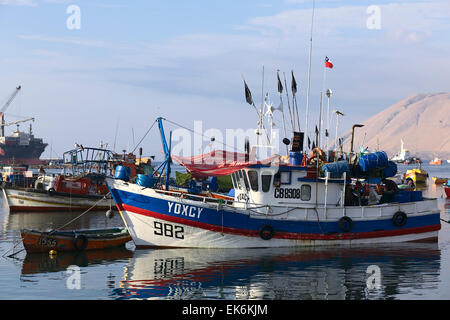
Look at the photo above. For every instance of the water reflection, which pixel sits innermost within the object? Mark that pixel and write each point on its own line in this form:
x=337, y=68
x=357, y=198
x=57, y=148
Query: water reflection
x=327, y=273
x=44, y=263
x=54, y=220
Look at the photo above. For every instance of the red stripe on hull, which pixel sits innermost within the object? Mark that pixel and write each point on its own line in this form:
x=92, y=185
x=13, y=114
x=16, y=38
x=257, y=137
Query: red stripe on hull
x=283, y=235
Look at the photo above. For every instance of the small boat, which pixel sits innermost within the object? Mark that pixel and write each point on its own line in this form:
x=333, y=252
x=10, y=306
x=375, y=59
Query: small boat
x=80, y=186
x=74, y=240
x=417, y=175
x=436, y=161
x=447, y=190
x=438, y=180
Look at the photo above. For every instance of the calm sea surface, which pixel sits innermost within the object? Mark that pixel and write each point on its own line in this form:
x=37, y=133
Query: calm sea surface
x=407, y=271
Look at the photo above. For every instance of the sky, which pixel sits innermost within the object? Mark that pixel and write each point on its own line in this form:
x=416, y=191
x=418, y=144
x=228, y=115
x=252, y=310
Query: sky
x=104, y=73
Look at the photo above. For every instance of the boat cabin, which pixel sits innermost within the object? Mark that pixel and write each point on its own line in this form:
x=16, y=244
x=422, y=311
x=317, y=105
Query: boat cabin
x=285, y=185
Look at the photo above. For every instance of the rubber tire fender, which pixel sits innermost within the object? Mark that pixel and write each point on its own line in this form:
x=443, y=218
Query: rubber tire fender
x=399, y=219
x=266, y=232
x=345, y=224
x=84, y=244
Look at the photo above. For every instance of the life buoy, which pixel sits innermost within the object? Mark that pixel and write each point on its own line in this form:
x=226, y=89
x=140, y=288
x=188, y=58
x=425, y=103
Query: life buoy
x=314, y=153
x=266, y=232
x=399, y=218
x=84, y=242
x=345, y=224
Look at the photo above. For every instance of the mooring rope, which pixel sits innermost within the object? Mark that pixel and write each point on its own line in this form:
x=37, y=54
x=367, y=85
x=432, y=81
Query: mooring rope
x=82, y=214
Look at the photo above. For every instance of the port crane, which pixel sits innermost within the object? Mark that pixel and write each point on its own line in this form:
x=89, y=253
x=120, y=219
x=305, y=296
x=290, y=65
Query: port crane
x=5, y=106
x=16, y=123
x=11, y=98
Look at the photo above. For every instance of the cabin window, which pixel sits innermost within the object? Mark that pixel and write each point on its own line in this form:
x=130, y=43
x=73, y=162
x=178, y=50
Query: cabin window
x=253, y=177
x=238, y=181
x=306, y=192
x=247, y=186
x=285, y=177
x=233, y=178
x=265, y=182
x=276, y=179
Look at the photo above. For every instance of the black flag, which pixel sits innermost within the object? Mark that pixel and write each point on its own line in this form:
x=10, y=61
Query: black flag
x=294, y=84
x=280, y=86
x=309, y=143
x=326, y=133
x=313, y=146
x=248, y=94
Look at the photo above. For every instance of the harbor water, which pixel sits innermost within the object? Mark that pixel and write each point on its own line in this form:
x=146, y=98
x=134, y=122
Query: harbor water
x=405, y=271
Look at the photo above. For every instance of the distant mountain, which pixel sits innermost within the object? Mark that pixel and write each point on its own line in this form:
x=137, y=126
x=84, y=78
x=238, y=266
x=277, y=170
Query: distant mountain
x=422, y=121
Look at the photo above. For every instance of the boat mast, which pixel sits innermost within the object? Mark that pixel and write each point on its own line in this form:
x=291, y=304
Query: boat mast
x=309, y=75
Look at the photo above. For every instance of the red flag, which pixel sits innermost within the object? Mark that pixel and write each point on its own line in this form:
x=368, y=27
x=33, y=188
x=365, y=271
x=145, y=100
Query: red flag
x=2, y=152
x=328, y=63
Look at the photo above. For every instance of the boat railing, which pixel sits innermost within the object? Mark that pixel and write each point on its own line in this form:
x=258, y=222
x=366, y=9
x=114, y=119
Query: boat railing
x=307, y=209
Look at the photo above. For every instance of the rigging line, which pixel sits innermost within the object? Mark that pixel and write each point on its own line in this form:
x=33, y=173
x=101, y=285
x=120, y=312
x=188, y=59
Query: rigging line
x=223, y=143
x=144, y=137
x=82, y=214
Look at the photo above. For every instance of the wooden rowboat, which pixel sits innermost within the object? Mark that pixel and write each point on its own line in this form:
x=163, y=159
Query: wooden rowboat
x=74, y=240
x=440, y=180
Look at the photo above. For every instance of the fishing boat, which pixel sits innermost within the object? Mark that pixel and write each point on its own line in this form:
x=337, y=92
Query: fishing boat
x=80, y=187
x=436, y=161
x=447, y=191
x=438, y=180
x=417, y=175
x=74, y=240
x=276, y=204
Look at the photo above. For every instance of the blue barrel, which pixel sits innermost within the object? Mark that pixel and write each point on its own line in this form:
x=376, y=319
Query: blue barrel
x=144, y=180
x=390, y=170
x=372, y=161
x=295, y=158
x=122, y=173
x=194, y=188
x=213, y=184
x=336, y=169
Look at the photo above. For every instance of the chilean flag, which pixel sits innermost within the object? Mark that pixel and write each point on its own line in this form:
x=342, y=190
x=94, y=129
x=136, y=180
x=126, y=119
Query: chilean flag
x=328, y=63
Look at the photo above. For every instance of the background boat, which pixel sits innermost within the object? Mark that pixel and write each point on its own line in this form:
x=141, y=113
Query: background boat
x=74, y=240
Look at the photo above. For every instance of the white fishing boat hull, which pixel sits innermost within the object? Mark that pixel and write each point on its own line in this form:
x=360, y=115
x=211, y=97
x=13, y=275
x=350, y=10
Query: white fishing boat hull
x=22, y=200
x=158, y=219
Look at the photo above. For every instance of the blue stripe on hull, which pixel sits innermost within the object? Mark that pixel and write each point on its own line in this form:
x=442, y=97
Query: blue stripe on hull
x=235, y=220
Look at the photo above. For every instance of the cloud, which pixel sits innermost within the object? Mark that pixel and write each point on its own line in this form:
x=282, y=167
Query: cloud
x=28, y=3
x=201, y=72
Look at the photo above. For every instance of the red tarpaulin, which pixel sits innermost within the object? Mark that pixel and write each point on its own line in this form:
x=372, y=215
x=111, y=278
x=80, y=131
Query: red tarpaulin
x=220, y=163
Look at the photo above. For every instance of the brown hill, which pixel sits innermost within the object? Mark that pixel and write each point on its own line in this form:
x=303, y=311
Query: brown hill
x=422, y=121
